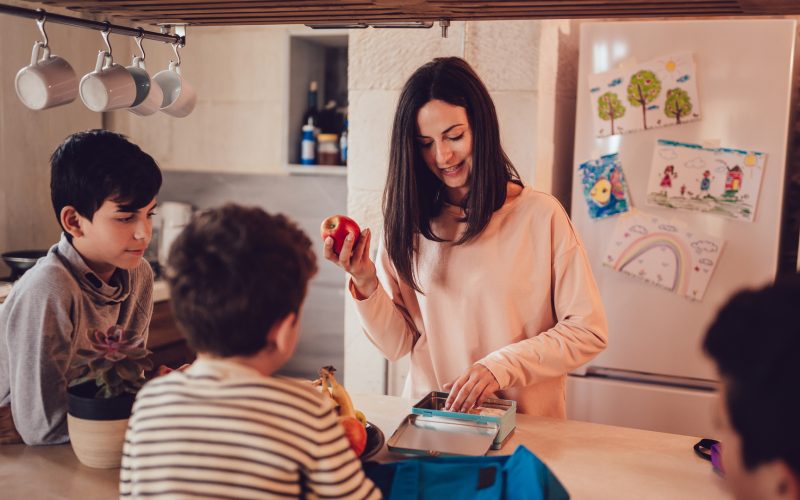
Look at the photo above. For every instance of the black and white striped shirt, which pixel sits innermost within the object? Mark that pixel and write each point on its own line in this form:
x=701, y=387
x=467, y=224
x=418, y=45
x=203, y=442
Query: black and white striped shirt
x=222, y=430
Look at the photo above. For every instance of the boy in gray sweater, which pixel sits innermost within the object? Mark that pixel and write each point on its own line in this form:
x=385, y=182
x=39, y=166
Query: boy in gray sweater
x=103, y=190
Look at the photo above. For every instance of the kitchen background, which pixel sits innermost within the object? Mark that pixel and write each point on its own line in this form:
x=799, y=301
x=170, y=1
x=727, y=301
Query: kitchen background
x=236, y=144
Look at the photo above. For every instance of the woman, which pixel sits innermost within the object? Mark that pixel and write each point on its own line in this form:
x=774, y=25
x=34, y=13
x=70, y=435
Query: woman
x=481, y=279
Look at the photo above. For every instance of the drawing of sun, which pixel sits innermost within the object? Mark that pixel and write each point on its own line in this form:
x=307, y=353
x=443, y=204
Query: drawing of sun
x=671, y=68
x=750, y=160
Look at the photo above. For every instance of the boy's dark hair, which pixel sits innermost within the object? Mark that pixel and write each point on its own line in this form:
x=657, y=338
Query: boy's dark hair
x=233, y=273
x=755, y=341
x=92, y=166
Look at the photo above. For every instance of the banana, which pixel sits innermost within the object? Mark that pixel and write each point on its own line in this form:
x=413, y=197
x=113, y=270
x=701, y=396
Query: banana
x=340, y=395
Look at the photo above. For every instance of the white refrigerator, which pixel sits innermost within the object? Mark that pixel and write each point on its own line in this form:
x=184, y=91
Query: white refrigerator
x=653, y=374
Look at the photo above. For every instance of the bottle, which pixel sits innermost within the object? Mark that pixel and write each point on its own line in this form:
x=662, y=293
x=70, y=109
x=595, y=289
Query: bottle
x=308, y=144
x=311, y=109
x=343, y=146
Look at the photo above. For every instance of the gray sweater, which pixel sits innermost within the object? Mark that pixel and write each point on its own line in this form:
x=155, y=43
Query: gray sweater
x=44, y=321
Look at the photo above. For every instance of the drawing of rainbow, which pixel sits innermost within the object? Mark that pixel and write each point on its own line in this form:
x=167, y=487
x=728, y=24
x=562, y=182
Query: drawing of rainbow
x=683, y=257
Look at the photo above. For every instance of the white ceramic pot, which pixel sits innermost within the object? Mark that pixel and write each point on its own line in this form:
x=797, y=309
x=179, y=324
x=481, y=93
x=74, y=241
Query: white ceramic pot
x=97, y=426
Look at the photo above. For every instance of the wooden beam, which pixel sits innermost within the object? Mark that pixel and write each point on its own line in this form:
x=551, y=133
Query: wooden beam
x=761, y=7
x=220, y=12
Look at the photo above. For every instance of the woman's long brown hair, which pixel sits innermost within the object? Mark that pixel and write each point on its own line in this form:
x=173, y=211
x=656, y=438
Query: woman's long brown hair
x=413, y=196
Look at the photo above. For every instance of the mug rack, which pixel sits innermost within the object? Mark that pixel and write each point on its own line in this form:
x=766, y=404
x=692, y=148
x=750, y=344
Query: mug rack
x=50, y=81
x=179, y=37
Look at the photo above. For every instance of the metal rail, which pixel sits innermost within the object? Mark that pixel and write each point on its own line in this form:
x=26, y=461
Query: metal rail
x=41, y=14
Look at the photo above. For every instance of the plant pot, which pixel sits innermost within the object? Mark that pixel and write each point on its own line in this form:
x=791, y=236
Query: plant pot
x=97, y=426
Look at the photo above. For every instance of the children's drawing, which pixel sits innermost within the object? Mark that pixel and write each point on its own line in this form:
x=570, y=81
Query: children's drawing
x=722, y=181
x=665, y=253
x=656, y=93
x=604, y=186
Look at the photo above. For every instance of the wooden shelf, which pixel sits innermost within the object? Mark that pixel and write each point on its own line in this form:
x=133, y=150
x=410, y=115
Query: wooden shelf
x=294, y=169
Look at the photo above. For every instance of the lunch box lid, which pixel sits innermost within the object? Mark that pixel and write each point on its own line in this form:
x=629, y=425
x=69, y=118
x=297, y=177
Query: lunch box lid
x=442, y=436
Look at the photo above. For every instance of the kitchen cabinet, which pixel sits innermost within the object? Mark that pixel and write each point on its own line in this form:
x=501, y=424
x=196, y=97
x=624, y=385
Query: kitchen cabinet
x=165, y=340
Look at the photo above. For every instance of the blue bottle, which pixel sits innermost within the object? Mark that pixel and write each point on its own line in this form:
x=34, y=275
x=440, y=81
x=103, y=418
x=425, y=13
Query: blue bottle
x=343, y=145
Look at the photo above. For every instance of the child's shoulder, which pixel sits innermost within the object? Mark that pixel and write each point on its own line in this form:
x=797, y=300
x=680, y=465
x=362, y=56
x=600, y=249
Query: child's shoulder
x=48, y=277
x=142, y=276
x=265, y=391
x=143, y=271
x=298, y=389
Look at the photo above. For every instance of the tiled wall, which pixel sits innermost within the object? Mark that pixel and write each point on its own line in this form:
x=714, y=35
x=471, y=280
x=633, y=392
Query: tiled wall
x=307, y=200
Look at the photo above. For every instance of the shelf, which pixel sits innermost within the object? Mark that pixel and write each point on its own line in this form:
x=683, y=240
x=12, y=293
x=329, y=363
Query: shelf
x=294, y=169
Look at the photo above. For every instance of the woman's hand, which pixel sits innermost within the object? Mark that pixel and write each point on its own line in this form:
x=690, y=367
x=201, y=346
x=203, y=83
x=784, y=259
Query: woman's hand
x=471, y=389
x=355, y=260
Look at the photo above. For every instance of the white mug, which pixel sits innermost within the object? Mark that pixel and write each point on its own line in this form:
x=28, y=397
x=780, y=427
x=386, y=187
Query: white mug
x=46, y=82
x=110, y=86
x=148, y=93
x=179, y=96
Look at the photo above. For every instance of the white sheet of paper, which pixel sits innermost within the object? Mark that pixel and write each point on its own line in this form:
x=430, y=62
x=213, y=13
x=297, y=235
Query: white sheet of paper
x=666, y=253
x=720, y=181
x=655, y=93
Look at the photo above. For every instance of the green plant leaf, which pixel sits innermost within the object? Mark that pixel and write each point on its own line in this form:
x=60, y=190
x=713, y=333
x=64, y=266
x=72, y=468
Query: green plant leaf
x=100, y=364
x=136, y=353
x=127, y=370
x=80, y=380
x=116, y=361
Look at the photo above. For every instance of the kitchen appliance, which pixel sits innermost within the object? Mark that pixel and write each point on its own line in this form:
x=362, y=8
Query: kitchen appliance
x=653, y=374
x=432, y=430
x=174, y=217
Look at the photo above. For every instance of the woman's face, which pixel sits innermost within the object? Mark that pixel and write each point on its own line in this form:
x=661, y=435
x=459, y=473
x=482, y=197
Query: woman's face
x=445, y=140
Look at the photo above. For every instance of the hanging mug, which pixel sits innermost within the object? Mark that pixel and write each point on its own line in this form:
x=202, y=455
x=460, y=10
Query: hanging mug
x=109, y=87
x=46, y=82
x=179, y=96
x=148, y=93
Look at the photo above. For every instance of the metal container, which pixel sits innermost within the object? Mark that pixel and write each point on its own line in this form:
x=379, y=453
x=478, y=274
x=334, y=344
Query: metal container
x=431, y=430
x=440, y=436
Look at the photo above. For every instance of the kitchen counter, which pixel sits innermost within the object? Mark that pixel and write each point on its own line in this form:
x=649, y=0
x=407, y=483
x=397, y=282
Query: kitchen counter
x=160, y=291
x=591, y=460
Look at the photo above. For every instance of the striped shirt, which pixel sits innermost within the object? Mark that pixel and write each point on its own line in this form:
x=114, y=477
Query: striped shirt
x=222, y=430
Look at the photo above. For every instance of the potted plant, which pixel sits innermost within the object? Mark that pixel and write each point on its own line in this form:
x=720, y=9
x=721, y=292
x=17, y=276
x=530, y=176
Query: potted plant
x=104, y=380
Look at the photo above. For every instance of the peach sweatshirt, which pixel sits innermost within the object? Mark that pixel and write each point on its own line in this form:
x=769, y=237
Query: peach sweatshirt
x=520, y=299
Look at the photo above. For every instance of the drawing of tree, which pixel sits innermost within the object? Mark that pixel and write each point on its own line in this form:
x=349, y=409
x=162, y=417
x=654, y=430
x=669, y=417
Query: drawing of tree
x=678, y=104
x=643, y=89
x=609, y=107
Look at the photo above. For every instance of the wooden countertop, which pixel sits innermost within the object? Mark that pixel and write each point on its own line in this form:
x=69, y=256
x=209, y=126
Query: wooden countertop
x=591, y=460
x=160, y=291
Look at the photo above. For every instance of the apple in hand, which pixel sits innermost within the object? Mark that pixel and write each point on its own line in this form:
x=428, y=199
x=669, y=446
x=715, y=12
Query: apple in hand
x=337, y=227
x=356, y=433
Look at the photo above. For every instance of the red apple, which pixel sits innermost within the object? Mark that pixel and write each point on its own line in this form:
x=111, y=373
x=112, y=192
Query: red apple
x=356, y=433
x=337, y=227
